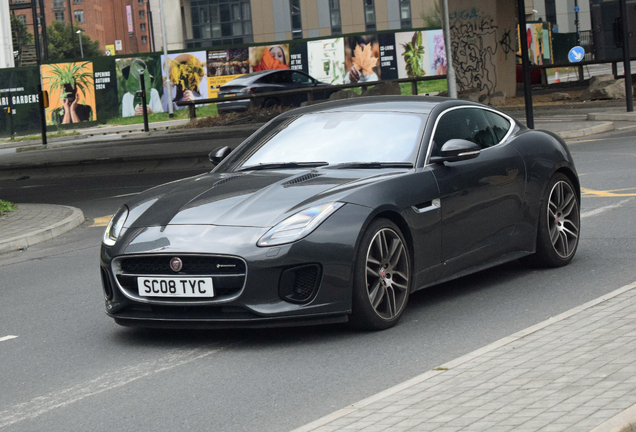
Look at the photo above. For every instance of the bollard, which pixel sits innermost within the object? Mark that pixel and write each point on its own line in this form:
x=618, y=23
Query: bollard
x=193, y=111
x=414, y=88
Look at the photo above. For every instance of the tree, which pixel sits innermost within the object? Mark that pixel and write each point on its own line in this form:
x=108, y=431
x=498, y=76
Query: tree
x=23, y=37
x=64, y=43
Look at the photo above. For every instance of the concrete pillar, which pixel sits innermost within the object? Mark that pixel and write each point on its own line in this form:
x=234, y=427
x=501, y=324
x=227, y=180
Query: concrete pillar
x=6, y=42
x=483, y=40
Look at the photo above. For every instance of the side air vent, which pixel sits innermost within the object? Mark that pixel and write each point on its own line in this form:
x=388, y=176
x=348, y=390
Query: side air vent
x=301, y=179
x=299, y=284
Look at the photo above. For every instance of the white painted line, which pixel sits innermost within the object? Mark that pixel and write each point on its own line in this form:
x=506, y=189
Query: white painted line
x=109, y=381
x=603, y=209
x=6, y=338
x=457, y=362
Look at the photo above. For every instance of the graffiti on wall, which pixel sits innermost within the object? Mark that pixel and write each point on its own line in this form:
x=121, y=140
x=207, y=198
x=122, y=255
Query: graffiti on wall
x=475, y=43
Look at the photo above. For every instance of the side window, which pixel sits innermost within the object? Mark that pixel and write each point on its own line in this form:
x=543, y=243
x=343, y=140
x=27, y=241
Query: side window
x=301, y=78
x=282, y=77
x=500, y=126
x=464, y=123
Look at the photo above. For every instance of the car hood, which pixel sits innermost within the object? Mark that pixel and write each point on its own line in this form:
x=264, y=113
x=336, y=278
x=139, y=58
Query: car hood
x=254, y=199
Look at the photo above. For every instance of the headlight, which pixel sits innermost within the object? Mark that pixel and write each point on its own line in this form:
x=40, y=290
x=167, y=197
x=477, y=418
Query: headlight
x=115, y=226
x=299, y=225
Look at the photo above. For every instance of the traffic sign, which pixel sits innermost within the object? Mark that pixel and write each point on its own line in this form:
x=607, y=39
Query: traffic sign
x=576, y=8
x=576, y=54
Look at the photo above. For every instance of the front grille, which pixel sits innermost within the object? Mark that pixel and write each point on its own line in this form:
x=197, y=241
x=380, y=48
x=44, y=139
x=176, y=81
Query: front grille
x=192, y=265
x=228, y=275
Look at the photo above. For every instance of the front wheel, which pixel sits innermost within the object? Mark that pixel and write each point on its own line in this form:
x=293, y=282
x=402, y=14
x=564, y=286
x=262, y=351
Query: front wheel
x=382, y=277
x=559, y=224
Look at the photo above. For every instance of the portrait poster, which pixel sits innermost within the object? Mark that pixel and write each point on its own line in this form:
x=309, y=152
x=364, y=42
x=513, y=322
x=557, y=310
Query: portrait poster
x=362, y=59
x=420, y=53
x=71, y=92
x=129, y=73
x=269, y=57
x=188, y=77
x=225, y=65
x=326, y=60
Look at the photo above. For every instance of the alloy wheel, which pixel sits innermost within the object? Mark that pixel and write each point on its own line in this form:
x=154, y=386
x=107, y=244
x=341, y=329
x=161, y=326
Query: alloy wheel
x=387, y=274
x=563, y=219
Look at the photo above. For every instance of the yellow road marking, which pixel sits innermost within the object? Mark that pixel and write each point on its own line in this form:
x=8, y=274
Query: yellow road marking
x=609, y=193
x=101, y=221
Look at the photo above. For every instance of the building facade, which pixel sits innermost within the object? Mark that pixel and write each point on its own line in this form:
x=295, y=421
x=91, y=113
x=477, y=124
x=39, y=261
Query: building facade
x=121, y=23
x=561, y=14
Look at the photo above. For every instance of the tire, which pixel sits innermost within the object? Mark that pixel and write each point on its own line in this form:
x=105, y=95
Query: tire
x=382, y=278
x=559, y=225
x=270, y=103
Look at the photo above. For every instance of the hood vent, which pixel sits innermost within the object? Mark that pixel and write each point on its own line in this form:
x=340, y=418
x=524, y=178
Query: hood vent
x=225, y=180
x=301, y=179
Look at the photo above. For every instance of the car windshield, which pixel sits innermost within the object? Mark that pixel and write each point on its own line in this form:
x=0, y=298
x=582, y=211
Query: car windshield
x=340, y=137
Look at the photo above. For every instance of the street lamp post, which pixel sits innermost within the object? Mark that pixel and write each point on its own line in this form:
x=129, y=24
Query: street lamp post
x=79, y=35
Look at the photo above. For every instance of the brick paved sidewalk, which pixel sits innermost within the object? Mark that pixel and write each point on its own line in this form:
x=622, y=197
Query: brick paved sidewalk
x=573, y=372
x=35, y=223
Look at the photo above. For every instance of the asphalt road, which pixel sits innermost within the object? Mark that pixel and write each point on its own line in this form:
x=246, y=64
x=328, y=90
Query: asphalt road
x=72, y=368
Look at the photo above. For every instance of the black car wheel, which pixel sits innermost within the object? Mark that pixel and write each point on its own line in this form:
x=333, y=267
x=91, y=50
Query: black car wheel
x=270, y=103
x=559, y=224
x=382, y=277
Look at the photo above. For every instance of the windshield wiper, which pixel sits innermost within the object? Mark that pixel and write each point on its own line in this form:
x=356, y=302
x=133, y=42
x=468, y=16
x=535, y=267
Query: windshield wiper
x=373, y=165
x=274, y=165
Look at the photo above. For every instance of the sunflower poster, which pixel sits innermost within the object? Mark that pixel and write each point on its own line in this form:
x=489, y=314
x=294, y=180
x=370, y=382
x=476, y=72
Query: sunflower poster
x=187, y=73
x=71, y=92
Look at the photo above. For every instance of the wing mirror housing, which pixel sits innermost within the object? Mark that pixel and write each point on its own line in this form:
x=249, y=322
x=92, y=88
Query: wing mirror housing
x=218, y=154
x=456, y=150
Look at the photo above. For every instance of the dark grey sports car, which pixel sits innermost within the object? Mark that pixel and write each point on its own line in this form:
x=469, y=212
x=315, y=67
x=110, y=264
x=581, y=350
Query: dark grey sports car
x=338, y=212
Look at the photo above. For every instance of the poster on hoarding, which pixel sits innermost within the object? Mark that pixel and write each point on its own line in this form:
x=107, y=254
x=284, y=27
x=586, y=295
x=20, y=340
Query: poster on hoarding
x=129, y=74
x=225, y=65
x=326, y=60
x=71, y=92
x=187, y=73
x=420, y=53
x=269, y=57
x=362, y=59
x=19, y=90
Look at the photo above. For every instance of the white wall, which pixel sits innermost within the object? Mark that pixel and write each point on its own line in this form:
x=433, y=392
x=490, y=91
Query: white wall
x=6, y=43
x=174, y=26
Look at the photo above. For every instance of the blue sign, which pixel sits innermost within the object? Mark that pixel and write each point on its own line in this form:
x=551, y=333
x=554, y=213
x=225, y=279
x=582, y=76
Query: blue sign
x=576, y=54
x=576, y=9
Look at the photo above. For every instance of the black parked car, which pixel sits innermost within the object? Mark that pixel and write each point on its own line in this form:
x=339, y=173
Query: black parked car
x=339, y=211
x=270, y=81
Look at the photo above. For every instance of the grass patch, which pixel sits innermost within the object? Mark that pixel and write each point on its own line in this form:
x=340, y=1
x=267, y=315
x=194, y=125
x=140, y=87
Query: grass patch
x=423, y=87
x=58, y=134
x=202, y=111
x=6, y=206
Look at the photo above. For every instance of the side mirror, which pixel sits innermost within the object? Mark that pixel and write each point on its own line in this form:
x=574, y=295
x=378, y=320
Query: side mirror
x=218, y=154
x=456, y=150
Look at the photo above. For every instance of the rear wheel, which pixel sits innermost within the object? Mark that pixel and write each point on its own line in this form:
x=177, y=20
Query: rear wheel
x=382, y=277
x=559, y=224
x=270, y=103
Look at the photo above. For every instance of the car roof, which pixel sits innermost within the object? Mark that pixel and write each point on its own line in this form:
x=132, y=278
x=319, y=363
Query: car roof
x=253, y=76
x=405, y=104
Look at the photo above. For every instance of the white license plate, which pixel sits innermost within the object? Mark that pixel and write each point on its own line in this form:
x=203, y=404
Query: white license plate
x=175, y=287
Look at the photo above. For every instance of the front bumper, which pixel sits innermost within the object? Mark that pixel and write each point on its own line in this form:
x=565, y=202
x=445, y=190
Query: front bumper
x=261, y=301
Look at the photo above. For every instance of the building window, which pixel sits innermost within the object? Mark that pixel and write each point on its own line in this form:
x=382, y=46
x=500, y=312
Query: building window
x=77, y=1
x=142, y=14
x=140, y=2
x=144, y=39
x=296, y=22
x=369, y=14
x=58, y=4
x=221, y=22
x=334, y=12
x=142, y=27
x=79, y=16
x=22, y=18
x=405, y=13
x=59, y=16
